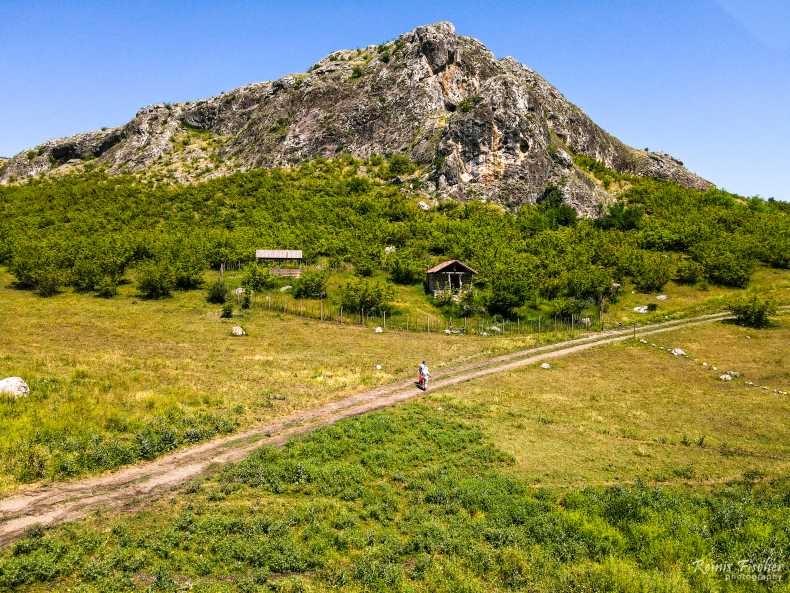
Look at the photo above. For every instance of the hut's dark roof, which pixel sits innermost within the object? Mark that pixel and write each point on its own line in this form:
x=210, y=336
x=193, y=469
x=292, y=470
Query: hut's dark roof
x=448, y=263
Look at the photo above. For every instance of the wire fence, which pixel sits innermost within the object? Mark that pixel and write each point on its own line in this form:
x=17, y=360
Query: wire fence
x=472, y=325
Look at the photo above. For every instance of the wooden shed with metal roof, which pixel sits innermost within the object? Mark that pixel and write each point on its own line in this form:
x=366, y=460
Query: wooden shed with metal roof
x=281, y=262
x=449, y=276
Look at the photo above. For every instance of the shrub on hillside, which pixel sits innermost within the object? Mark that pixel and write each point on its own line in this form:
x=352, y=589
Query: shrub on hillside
x=405, y=269
x=689, y=271
x=107, y=288
x=366, y=295
x=227, y=311
x=651, y=271
x=155, y=279
x=723, y=266
x=753, y=310
x=257, y=278
x=217, y=292
x=188, y=270
x=311, y=284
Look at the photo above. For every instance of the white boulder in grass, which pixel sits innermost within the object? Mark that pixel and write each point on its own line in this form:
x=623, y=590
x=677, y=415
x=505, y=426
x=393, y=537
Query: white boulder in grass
x=661, y=297
x=15, y=387
x=378, y=329
x=678, y=352
x=545, y=365
x=725, y=377
x=424, y=206
x=237, y=330
x=640, y=309
x=378, y=367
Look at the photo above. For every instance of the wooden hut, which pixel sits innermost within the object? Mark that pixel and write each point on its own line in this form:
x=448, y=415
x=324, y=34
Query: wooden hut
x=281, y=262
x=449, y=276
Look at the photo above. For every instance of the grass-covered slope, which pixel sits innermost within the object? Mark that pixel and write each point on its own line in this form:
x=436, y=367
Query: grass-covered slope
x=446, y=494
x=87, y=231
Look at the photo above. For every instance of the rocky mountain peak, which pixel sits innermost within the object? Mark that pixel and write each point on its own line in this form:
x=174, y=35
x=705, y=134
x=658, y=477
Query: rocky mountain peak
x=480, y=127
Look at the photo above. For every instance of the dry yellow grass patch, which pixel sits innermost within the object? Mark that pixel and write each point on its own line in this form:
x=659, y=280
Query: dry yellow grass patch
x=631, y=411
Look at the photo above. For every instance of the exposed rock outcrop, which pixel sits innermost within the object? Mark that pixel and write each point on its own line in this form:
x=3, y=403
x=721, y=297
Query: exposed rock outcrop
x=478, y=126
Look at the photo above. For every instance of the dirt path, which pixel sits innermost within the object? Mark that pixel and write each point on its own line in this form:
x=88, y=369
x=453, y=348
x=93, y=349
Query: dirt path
x=65, y=501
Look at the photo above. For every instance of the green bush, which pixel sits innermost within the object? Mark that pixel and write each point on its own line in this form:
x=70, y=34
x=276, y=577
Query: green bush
x=257, y=278
x=725, y=267
x=400, y=164
x=155, y=280
x=217, y=292
x=311, y=284
x=406, y=270
x=366, y=295
x=753, y=310
x=651, y=271
x=227, y=311
x=107, y=288
x=689, y=271
x=188, y=270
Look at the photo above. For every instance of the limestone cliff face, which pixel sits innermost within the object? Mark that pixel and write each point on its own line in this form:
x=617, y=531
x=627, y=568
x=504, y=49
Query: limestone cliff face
x=479, y=126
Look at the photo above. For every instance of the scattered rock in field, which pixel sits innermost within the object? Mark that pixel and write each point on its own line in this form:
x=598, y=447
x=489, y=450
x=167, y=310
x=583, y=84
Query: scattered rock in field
x=661, y=297
x=642, y=341
x=585, y=321
x=764, y=387
x=714, y=368
x=704, y=364
x=545, y=365
x=734, y=374
x=15, y=387
x=378, y=367
x=389, y=249
x=237, y=330
x=678, y=352
x=494, y=328
x=423, y=206
x=286, y=288
x=378, y=329
x=640, y=309
x=725, y=377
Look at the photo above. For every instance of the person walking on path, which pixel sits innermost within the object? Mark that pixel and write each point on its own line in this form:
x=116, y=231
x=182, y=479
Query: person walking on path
x=424, y=375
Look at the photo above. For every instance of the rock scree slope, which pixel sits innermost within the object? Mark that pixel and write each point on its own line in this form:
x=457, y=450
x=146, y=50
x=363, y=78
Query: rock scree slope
x=479, y=127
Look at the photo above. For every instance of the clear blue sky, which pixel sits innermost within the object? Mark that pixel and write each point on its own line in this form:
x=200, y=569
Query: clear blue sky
x=707, y=81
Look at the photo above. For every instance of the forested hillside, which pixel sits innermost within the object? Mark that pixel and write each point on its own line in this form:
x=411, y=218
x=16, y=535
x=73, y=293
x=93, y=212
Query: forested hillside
x=89, y=231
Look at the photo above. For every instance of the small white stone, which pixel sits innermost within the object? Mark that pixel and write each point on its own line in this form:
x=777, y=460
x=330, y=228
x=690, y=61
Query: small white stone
x=704, y=364
x=545, y=365
x=378, y=367
x=286, y=288
x=642, y=341
x=678, y=352
x=662, y=297
x=640, y=309
x=237, y=330
x=725, y=377
x=378, y=329
x=15, y=387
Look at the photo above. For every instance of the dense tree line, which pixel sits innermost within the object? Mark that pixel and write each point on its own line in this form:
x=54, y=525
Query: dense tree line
x=87, y=231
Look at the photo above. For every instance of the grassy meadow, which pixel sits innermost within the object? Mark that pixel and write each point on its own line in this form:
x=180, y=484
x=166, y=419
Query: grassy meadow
x=116, y=381
x=590, y=476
